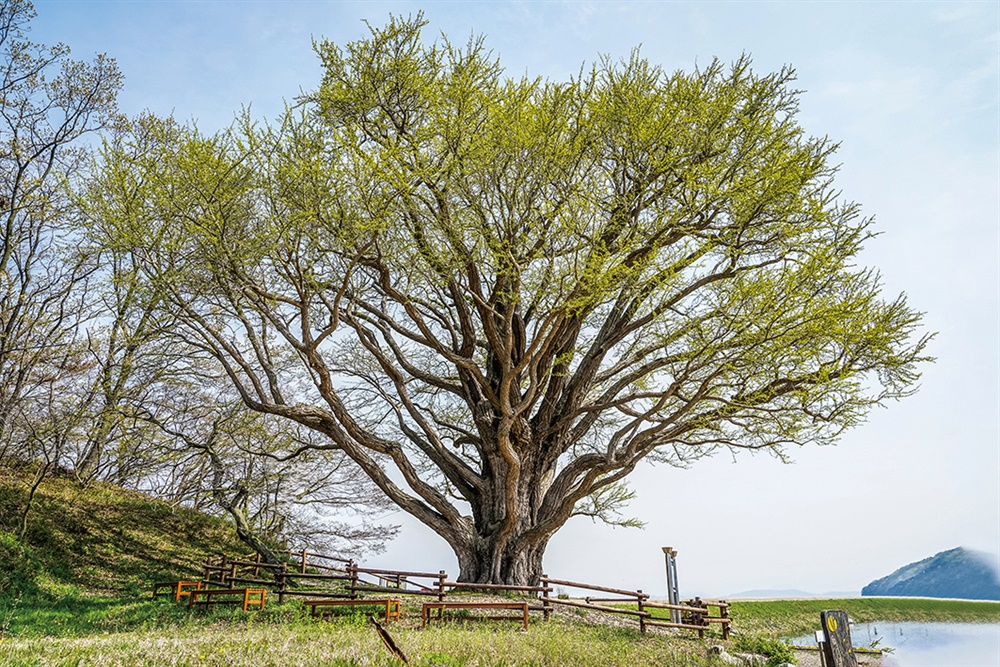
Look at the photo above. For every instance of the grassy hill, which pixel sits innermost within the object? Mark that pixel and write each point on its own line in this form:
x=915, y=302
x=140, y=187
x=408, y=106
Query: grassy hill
x=88, y=554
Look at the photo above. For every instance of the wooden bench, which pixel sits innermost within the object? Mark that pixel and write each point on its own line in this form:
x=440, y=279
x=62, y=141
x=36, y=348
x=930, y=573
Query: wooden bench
x=176, y=588
x=392, y=606
x=441, y=606
x=244, y=596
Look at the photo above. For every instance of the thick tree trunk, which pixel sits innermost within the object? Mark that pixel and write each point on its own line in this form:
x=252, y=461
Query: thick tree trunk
x=485, y=562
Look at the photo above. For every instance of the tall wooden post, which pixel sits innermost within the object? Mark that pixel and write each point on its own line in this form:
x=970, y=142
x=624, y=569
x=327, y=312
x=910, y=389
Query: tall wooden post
x=442, y=577
x=304, y=552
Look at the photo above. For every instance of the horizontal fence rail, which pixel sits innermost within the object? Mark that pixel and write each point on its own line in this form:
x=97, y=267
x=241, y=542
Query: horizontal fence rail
x=322, y=576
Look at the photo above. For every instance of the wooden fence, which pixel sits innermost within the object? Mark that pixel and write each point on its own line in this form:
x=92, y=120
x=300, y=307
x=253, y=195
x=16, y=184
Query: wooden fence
x=322, y=576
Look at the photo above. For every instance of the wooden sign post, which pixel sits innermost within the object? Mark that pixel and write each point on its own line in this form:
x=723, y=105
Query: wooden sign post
x=837, y=648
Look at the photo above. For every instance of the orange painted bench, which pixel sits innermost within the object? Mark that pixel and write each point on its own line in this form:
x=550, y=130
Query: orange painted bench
x=392, y=606
x=177, y=588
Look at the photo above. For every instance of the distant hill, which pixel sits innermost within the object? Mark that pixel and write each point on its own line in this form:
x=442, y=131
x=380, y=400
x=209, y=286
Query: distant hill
x=957, y=573
x=787, y=594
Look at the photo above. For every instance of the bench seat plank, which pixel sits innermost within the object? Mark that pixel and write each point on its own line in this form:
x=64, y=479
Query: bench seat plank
x=392, y=606
x=441, y=606
x=247, y=597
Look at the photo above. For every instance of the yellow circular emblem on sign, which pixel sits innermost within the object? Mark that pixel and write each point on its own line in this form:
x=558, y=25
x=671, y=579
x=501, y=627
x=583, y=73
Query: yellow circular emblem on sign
x=831, y=623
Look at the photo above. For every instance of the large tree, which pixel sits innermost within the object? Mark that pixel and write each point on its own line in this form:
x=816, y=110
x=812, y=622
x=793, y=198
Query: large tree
x=498, y=296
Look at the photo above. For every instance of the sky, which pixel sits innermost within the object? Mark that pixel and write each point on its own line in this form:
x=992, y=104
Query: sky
x=911, y=90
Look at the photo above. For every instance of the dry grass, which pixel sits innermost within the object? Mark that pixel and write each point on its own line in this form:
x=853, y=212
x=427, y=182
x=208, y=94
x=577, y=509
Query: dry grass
x=347, y=643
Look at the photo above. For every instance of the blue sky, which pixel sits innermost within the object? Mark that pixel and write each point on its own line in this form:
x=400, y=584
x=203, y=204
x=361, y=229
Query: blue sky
x=912, y=92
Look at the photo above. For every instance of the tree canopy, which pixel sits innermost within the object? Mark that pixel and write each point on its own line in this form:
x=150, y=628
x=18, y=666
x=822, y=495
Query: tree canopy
x=499, y=295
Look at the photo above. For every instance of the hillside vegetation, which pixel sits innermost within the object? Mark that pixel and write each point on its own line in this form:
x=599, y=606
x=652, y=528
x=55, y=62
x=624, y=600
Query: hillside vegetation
x=89, y=555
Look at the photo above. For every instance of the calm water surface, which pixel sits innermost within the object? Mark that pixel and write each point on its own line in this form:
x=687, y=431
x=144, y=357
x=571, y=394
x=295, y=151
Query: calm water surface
x=928, y=644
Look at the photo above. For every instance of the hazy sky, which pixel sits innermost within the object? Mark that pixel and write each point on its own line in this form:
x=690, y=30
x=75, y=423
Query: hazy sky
x=912, y=90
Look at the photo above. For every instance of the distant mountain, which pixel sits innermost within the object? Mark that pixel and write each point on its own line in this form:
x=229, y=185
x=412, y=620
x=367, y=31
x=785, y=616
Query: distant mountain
x=781, y=594
x=787, y=594
x=958, y=573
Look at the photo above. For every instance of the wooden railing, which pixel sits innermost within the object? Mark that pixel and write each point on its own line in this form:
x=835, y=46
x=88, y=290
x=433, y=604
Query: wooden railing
x=322, y=576
x=695, y=614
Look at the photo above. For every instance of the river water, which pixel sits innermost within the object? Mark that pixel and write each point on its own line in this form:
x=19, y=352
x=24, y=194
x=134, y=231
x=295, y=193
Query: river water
x=928, y=644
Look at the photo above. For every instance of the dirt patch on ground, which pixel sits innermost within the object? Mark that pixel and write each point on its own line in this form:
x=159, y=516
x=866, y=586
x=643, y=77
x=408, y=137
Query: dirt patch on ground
x=806, y=658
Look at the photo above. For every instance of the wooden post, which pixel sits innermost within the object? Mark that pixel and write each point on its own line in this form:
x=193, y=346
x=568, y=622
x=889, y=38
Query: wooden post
x=304, y=553
x=283, y=576
x=353, y=568
x=208, y=568
x=837, y=649
x=256, y=570
x=724, y=613
x=546, y=605
x=442, y=577
x=232, y=575
x=642, y=619
x=699, y=617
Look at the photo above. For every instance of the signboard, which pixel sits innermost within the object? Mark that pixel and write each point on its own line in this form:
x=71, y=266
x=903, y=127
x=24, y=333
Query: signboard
x=837, y=648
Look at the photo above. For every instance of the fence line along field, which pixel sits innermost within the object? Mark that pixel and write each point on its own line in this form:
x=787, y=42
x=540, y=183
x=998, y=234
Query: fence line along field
x=331, y=581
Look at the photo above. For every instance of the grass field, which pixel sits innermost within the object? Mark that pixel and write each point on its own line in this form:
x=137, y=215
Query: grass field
x=790, y=618
x=163, y=633
x=246, y=640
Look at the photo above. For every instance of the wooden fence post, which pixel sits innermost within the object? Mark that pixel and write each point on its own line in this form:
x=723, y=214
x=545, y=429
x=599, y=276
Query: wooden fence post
x=232, y=575
x=442, y=577
x=353, y=568
x=256, y=570
x=304, y=552
x=724, y=613
x=546, y=605
x=283, y=574
x=642, y=619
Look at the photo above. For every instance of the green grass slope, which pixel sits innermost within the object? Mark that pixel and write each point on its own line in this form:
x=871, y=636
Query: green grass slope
x=89, y=555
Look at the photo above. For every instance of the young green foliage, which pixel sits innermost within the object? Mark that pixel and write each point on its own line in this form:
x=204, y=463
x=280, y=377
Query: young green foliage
x=510, y=292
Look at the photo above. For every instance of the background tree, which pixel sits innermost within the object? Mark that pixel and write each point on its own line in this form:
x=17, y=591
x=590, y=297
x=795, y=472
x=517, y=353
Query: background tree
x=161, y=420
x=47, y=102
x=499, y=296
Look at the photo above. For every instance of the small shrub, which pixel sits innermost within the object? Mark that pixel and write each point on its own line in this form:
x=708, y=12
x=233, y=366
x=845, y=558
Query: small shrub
x=440, y=660
x=777, y=652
